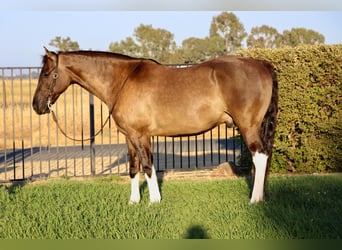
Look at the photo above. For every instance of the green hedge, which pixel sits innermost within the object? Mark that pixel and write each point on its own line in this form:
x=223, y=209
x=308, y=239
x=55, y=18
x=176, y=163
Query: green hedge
x=309, y=132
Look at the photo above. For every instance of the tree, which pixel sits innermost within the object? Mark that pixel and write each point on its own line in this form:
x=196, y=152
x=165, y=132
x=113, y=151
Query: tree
x=215, y=45
x=228, y=27
x=264, y=37
x=155, y=43
x=64, y=44
x=298, y=36
x=148, y=42
x=126, y=47
x=194, y=50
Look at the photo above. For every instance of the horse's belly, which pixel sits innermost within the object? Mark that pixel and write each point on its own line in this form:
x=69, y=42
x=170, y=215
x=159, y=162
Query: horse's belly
x=189, y=125
x=181, y=130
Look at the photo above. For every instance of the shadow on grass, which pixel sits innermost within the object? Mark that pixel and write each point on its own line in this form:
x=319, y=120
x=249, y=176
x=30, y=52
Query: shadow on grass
x=306, y=207
x=196, y=232
x=14, y=186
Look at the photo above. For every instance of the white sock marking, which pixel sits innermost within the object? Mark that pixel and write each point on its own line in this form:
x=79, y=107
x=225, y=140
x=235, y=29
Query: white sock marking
x=135, y=192
x=153, y=187
x=260, y=163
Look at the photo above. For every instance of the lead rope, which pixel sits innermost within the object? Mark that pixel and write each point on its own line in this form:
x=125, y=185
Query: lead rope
x=75, y=139
x=54, y=117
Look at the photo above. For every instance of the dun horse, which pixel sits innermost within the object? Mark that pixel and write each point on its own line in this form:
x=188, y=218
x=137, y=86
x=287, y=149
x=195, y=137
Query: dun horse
x=148, y=99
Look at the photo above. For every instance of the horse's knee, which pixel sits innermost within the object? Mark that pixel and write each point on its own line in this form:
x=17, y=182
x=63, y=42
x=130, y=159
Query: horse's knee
x=134, y=168
x=148, y=171
x=132, y=172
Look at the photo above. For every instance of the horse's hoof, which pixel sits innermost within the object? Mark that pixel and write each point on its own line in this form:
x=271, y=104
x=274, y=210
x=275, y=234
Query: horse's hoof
x=132, y=202
x=152, y=202
x=256, y=200
x=155, y=197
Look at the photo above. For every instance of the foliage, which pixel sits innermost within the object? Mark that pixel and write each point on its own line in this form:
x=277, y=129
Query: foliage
x=268, y=37
x=148, y=42
x=298, y=36
x=264, y=37
x=226, y=35
x=228, y=27
x=64, y=44
x=196, y=50
x=296, y=208
x=126, y=47
x=309, y=130
x=155, y=43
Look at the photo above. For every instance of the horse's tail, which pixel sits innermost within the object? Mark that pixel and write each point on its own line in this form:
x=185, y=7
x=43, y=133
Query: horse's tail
x=268, y=125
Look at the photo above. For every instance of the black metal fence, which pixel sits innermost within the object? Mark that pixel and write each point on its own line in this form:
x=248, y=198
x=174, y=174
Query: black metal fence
x=33, y=147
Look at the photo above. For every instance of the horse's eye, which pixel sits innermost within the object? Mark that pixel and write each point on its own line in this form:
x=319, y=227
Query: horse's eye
x=46, y=74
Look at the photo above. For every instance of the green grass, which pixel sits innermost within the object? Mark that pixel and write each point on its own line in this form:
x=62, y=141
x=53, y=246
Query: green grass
x=296, y=207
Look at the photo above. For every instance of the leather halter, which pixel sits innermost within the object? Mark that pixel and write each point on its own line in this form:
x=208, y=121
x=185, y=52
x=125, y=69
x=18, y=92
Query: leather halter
x=55, y=76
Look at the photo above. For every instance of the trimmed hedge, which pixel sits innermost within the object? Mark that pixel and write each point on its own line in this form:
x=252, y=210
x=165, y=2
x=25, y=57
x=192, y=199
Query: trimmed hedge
x=309, y=131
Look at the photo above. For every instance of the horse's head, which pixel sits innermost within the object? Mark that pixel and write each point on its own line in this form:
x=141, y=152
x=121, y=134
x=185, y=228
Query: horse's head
x=52, y=82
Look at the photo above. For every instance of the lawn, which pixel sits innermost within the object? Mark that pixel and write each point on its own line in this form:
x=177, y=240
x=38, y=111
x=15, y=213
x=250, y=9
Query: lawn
x=296, y=207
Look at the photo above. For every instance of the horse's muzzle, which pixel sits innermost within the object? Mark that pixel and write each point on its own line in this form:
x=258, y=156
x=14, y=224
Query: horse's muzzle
x=40, y=106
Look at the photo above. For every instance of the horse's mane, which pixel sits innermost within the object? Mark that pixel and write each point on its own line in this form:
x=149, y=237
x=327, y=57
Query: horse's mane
x=98, y=54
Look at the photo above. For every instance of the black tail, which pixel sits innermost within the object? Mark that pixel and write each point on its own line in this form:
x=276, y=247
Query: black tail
x=269, y=123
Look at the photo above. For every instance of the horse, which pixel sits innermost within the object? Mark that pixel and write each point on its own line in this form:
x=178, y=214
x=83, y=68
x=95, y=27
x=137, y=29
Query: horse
x=146, y=98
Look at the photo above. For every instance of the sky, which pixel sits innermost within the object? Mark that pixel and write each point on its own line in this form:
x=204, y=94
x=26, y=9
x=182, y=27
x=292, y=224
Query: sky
x=26, y=30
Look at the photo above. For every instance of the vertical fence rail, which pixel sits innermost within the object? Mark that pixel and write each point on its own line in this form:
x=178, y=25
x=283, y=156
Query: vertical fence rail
x=33, y=147
x=92, y=134
x=13, y=129
x=4, y=105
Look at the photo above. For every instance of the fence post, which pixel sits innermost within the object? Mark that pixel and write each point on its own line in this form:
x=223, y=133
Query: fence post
x=92, y=133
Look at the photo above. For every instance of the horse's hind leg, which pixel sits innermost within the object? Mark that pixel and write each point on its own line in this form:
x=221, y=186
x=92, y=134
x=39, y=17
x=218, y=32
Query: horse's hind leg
x=260, y=164
x=254, y=144
x=142, y=145
x=134, y=169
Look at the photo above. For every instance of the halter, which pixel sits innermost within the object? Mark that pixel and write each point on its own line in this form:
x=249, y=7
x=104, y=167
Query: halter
x=55, y=76
x=54, y=117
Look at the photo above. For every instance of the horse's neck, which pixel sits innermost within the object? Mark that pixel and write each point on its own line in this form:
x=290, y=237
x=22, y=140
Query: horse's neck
x=102, y=79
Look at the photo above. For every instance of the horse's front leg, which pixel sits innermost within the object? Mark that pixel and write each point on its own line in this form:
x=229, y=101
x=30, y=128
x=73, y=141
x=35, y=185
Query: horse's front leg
x=142, y=146
x=152, y=183
x=134, y=172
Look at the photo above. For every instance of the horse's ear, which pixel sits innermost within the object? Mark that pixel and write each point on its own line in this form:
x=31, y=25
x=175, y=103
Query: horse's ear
x=48, y=53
